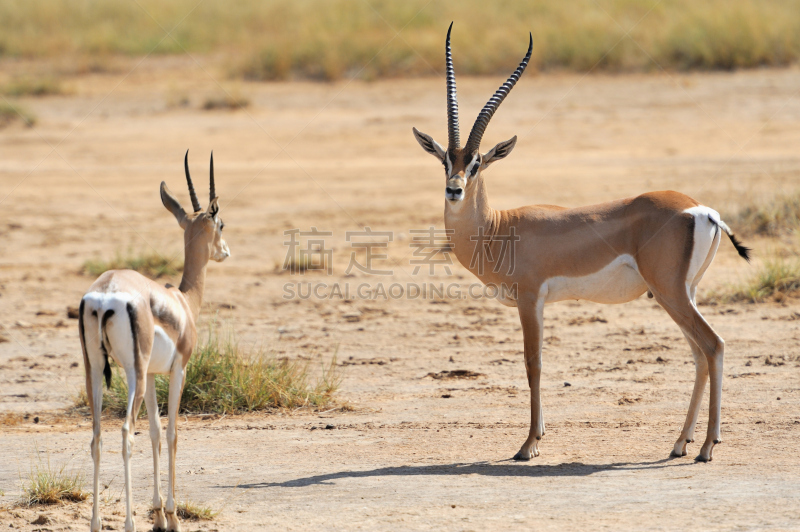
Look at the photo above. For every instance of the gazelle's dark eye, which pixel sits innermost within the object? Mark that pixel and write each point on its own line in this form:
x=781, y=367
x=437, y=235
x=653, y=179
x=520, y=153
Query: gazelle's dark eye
x=221, y=226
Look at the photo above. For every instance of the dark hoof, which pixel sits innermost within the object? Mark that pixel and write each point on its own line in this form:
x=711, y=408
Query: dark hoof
x=673, y=454
x=701, y=458
x=520, y=458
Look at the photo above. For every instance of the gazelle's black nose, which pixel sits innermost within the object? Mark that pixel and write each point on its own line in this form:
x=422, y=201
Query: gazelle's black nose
x=453, y=193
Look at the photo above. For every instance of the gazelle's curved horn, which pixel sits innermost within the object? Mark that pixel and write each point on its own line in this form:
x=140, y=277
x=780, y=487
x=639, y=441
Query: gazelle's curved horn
x=195, y=203
x=475, y=136
x=212, y=193
x=453, y=140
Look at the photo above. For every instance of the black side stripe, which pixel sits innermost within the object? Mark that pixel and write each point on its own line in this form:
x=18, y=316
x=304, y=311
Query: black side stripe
x=82, y=332
x=132, y=316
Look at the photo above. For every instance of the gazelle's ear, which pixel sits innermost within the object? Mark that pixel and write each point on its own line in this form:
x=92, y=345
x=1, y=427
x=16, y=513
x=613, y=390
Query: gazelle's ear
x=172, y=205
x=213, y=208
x=499, y=152
x=429, y=145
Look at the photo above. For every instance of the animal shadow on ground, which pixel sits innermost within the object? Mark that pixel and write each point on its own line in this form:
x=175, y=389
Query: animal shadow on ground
x=489, y=469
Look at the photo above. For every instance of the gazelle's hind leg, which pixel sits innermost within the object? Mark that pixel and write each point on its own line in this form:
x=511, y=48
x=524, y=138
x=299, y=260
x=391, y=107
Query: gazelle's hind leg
x=123, y=334
x=151, y=401
x=701, y=377
x=705, y=242
x=699, y=332
x=94, y=363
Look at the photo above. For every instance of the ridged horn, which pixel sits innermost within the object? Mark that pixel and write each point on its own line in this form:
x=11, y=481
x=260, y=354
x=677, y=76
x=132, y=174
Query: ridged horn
x=453, y=140
x=195, y=203
x=212, y=193
x=475, y=136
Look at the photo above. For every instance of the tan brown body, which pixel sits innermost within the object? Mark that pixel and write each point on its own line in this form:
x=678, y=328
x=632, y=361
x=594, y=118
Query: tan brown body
x=555, y=241
x=148, y=329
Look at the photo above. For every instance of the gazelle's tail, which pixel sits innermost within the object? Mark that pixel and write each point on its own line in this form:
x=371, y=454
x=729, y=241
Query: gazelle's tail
x=743, y=250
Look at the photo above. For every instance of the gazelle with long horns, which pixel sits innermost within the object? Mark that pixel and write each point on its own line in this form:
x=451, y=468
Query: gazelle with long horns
x=149, y=329
x=659, y=242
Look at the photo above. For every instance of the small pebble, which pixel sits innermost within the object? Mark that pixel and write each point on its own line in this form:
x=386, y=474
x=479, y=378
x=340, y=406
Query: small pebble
x=567, y=384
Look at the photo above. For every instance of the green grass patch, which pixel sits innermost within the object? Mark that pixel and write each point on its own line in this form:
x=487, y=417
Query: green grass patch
x=46, y=484
x=334, y=39
x=32, y=87
x=778, y=216
x=222, y=377
x=775, y=281
x=149, y=263
x=10, y=113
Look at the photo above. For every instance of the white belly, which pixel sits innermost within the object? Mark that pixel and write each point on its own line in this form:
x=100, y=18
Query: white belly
x=618, y=282
x=163, y=354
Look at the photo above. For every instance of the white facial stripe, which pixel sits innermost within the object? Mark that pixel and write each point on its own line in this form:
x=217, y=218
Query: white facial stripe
x=472, y=167
x=448, y=164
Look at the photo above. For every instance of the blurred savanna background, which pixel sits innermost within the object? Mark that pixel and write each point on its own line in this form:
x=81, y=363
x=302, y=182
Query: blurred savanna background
x=308, y=106
x=306, y=39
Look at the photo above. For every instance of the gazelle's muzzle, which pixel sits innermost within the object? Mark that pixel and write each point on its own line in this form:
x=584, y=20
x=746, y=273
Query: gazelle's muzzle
x=454, y=191
x=222, y=253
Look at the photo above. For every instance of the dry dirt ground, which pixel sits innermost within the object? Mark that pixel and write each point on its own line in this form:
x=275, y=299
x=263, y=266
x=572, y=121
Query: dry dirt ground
x=414, y=452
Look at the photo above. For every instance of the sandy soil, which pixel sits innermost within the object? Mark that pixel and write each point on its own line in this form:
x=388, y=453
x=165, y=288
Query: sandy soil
x=415, y=452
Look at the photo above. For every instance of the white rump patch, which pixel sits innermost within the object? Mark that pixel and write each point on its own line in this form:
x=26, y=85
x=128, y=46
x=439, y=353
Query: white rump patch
x=618, y=282
x=118, y=328
x=706, y=241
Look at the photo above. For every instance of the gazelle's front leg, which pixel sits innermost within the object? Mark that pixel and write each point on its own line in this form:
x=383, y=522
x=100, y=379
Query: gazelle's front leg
x=530, y=315
x=701, y=377
x=151, y=401
x=175, y=389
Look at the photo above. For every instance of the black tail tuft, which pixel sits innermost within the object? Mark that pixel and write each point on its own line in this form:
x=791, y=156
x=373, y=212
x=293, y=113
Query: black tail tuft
x=107, y=372
x=743, y=250
x=107, y=368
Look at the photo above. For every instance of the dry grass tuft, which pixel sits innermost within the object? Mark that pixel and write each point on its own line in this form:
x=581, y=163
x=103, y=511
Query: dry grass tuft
x=777, y=280
x=224, y=378
x=50, y=485
x=33, y=87
x=335, y=39
x=10, y=420
x=195, y=512
x=226, y=101
x=773, y=218
x=10, y=113
x=149, y=263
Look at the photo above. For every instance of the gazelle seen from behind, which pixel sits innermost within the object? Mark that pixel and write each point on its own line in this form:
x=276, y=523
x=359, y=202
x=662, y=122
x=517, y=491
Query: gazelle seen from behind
x=659, y=242
x=149, y=329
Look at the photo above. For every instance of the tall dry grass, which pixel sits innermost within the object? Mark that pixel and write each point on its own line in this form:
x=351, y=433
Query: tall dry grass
x=223, y=377
x=48, y=484
x=779, y=215
x=149, y=263
x=776, y=280
x=329, y=39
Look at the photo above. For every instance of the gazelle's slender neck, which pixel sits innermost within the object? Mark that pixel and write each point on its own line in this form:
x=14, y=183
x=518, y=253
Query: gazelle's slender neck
x=469, y=219
x=193, y=281
x=470, y=213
